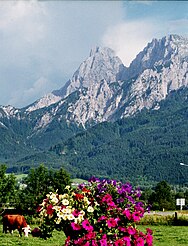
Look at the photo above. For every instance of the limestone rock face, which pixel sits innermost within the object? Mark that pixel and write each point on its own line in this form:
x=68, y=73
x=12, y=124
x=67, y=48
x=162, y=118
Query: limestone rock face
x=103, y=89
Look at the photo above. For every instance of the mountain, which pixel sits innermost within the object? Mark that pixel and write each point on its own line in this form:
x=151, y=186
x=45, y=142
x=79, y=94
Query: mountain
x=146, y=147
x=109, y=91
x=101, y=90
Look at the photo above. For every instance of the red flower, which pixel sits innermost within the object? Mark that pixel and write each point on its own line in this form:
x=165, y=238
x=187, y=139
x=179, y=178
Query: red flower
x=50, y=209
x=85, y=190
x=79, y=196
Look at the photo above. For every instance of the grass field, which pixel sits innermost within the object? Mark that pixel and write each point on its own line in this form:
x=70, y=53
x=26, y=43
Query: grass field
x=168, y=235
x=163, y=236
x=11, y=240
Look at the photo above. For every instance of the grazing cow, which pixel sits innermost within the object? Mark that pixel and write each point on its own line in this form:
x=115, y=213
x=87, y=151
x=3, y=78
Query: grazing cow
x=15, y=221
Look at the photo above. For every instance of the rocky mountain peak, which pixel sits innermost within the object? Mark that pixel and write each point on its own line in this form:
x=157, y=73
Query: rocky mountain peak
x=159, y=52
x=102, y=64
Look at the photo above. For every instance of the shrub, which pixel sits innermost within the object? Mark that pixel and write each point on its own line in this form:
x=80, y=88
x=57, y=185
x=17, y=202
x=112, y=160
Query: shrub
x=99, y=213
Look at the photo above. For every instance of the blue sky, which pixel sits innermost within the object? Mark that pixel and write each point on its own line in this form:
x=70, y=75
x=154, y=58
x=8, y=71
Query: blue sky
x=44, y=42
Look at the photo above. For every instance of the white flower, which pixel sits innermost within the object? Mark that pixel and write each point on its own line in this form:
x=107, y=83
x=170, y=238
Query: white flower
x=70, y=216
x=90, y=209
x=65, y=217
x=80, y=217
x=64, y=196
x=65, y=202
x=57, y=208
x=82, y=212
x=60, y=214
x=54, y=200
x=58, y=221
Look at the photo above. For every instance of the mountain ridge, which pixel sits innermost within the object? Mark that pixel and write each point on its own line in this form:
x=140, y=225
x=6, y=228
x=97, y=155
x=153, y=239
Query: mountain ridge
x=101, y=90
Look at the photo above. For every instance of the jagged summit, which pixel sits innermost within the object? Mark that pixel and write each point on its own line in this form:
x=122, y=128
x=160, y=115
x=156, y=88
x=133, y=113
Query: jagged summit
x=102, y=64
x=108, y=90
x=159, y=52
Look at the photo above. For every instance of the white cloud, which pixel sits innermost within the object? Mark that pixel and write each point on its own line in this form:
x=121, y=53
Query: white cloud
x=128, y=38
x=48, y=39
x=22, y=96
x=23, y=19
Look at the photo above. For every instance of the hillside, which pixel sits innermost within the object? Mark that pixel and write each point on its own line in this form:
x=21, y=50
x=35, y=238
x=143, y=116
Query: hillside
x=148, y=146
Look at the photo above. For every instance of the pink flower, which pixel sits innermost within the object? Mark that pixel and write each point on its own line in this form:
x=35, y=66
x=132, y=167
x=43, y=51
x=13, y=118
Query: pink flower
x=140, y=241
x=86, y=244
x=76, y=213
x=127, y=213
x=149, y=231
x=102, y=218
x=111, y=223
x=119, y=242
x=131, y=230
x=123, y=229
x=111, y=204
x=149, y=240
x=107, y=198
x=90, y=235
x=94, y=243
x=127, y=241
x=78, y=242
x=136, y=216
x=103, y=242
x=75, y=226
x=86, y=225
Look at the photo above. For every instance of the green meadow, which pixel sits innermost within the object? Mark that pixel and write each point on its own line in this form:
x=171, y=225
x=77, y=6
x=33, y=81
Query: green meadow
x=163, y=236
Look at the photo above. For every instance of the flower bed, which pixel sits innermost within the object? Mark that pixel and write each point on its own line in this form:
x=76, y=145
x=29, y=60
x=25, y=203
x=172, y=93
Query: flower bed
x=100, y=213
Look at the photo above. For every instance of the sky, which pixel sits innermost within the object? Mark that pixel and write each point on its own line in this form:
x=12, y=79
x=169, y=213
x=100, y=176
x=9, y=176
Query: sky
x=42, y=43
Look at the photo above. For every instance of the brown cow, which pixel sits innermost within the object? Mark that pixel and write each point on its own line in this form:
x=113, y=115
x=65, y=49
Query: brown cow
x=15, y=221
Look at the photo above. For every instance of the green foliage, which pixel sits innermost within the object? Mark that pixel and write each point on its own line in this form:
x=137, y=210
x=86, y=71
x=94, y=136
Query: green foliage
x=7, y=186
x=149, y=145
x=162, y=197
x=144, y=148
x=38, y=183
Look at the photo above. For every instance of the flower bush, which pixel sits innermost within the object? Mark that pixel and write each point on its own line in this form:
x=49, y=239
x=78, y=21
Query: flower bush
x=99, y=213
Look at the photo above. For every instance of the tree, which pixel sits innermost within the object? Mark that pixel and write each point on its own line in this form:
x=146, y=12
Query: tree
x=7, y=186
x=39, y=182
x=162, y=198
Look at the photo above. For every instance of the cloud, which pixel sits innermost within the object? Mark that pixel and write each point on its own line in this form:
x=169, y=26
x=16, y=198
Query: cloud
x=48, y=39
x=179, y=26
x=128, y=38
x=38, y=89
